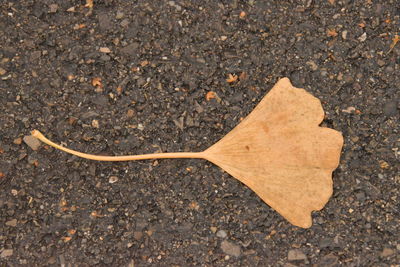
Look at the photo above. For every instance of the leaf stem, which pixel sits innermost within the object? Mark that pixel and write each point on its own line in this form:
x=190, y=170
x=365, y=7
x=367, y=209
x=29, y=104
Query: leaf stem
x=175, y=155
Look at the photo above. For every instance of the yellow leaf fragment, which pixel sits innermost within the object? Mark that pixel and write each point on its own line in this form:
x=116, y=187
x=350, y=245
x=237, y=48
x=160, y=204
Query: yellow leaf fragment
x=89, y=3
x=96, y=81
x=396, y=39
x=232, y=78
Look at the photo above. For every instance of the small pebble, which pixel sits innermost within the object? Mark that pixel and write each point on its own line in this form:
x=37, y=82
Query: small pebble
x=6, y=253
x=344, y=35
x=113, y=179
x=387, y=252
x=221, y=234
x=312, y=64
x=380, y=62
x=296, y=254
x=2, y=71
x=230, y=248
x=53, y=8
x=140, y=127
x=105, y=50
x=18, y=141
x=125, y=23
x=32, y=142
x=119, y=15
x=363, y=37
x=12, y=223
x=95, y=123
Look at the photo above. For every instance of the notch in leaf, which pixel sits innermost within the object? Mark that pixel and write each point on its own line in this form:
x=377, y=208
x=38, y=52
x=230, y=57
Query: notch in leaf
x=279, y=151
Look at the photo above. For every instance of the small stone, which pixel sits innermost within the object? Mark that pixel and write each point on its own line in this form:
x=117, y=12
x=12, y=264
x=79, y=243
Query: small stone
x=230, y=248
x=113, y=179
x=137, y=235
x=380, y=62
x=213, y=229
x=119, y=15
x=349, y=110
x=32, y=142
x=387, y=252
x=17, y=141
x=312, y=64
x=140, y=127
x=6, y=253
x=2, y=71
x=130, y=49
x=344, y=35
x=105, y=50
x=363, y=37
x=296, y=255
x=53, y=8
x=12, y=223
x=130, y=113
x=95, y=123
x=390, y=108
x=329, y=260
x=125, y=23
x=221, y=234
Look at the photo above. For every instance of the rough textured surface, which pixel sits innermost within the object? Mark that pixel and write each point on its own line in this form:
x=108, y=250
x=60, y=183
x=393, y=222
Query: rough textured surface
x=281, y=153
x=67, y=212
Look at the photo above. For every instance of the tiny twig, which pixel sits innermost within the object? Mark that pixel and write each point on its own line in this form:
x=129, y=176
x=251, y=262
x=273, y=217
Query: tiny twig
x=175, y=155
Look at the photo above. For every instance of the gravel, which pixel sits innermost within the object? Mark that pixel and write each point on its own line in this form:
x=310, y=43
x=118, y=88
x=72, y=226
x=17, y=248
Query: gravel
x=163, y=59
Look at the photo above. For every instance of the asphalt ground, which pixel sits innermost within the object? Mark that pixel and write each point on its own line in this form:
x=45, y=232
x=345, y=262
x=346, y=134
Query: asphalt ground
x=132, y=77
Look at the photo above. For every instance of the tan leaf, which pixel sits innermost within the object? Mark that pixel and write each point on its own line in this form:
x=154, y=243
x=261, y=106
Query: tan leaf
x=79, y=26
x=331, y=32
x=210, y=95
x=89, y=3
x=278, y=151
x=396, y=39
x=232, y=78
x=96, y=81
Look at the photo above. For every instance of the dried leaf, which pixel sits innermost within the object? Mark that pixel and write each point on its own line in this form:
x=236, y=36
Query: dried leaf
x=361, y=25
x=383, y=164
x=71, y=231
x=332, y=2
x=396, y=39
x=232, y=78
x=96, y=81
x=89, y=3
x=66, y=238
x=278, y=151
x=281, y=154
x=144, y=63
x=210, y=95
x=79, y=26
x=331, y=33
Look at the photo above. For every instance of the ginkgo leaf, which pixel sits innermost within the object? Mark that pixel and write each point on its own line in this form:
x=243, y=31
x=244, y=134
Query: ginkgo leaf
x=279, y=151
